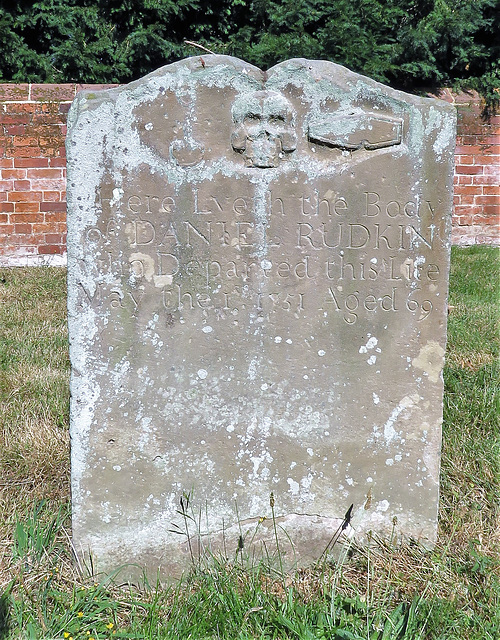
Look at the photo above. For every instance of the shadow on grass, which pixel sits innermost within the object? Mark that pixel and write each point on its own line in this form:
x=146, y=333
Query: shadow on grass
x=4, y=617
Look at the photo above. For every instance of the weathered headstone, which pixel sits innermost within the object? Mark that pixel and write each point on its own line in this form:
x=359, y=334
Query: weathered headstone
x=258, y=268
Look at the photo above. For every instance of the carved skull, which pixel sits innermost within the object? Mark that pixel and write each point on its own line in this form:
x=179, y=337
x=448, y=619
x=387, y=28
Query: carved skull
x=264, y=128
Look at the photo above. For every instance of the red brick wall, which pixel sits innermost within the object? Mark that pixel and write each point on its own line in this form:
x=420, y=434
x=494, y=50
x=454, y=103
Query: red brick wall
x=33, y=180
x=33, y=172
x=476, y=216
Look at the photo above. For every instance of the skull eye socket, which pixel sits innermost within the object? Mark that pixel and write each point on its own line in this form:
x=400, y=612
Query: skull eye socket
x=252, y=118
x=277, y=119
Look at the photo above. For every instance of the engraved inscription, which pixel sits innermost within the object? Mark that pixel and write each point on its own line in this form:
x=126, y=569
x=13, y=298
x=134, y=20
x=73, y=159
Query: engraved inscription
x=208, y=260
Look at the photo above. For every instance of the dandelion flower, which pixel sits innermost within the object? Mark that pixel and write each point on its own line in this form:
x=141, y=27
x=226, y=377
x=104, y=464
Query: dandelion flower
x=110, y=625
x=80, y=614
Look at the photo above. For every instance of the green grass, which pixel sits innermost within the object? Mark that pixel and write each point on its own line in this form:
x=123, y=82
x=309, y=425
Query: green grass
x=381, y=593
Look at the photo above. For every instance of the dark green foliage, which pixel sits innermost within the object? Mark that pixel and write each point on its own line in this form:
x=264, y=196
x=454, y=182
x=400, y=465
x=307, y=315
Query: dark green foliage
x=411, y=44
x=90, y=41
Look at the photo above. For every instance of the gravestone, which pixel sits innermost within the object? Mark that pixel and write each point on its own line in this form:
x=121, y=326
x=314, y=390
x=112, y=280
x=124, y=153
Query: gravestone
x=257, y=273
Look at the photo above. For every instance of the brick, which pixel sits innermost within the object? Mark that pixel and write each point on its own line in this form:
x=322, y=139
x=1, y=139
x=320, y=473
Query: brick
x=55, y=216
x=46, y=129
x=467, y=149
x=4, y=218
x=17, y=174
x=52, y=206
x=22, y=228
x=488, y=180
x=6, y=163
x=469, y=169
x=52, y=92
x=491, y=190
x=58, y=162
x=64, y=107
x=492, y=149
x=467, y=209
x=58, y=227
x=464, y=160
x=7, y=229
x=52, y=117
x=31, y=162
x=14, y=119
x=490, y=209
x=24, y=196
x=488, y=199
x=48, y=186
x=22, y=239
x=468, y=190
x=486, y=219
x=488, y=140
x=15, y=130
x=43, y=228
x=486, y=239
x=3, y=196
x=492, y=170
x=27, y=217
x=50, y=143
x=467, y=139
x=495, y=159
x=28, y=207
x=53, y=238
x=25, y=152
x=13, y=92
x=51, y=196
x=47, y=107
x=51, y=174
x=6, y=207
x=50, y=249
x=20, y=108
x=6, y=185
x=22, y=185
x=466, y=199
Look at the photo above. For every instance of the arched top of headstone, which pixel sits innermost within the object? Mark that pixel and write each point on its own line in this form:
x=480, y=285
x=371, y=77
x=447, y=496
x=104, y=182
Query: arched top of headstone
x=218, y=110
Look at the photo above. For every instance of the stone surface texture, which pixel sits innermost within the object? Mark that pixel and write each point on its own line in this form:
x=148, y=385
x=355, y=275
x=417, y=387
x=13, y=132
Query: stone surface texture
x=257, y=273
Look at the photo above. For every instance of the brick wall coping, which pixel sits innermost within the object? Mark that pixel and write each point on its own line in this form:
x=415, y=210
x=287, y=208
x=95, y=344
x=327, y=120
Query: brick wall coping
x=32, y=92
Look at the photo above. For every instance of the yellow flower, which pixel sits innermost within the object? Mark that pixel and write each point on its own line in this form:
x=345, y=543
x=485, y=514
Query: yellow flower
x=80, y=614
x=110, y=625
x=66, y=634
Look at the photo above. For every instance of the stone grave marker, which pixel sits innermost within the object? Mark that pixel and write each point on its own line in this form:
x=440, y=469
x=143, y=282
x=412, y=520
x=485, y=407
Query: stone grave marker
x=257, y=273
